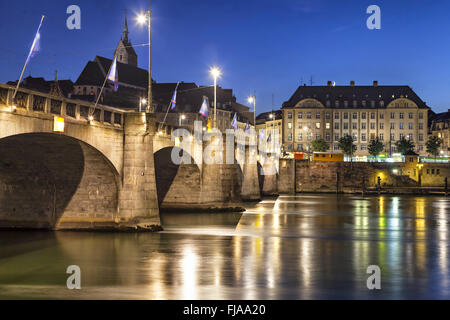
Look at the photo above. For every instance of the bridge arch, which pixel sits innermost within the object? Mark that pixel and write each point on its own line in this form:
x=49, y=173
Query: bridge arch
x=178, y=186
x=52, y=181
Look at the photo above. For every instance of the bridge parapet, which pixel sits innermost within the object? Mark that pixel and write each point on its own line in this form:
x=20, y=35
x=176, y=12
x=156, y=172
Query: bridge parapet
x=33, y=103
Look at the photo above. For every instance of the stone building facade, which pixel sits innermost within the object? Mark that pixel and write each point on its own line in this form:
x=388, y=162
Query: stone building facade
x=440, y=127
x=363, y=112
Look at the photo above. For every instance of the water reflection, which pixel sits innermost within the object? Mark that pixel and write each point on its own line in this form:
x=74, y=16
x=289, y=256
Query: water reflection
x=292, y=247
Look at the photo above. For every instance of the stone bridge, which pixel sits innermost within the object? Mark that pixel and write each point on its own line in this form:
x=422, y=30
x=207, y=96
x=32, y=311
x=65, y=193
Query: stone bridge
x=99, y=173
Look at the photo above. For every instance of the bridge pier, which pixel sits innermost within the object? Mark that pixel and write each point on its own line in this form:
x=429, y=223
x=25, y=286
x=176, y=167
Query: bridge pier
x=270, y=172
x=138, y=200
x=250, y=183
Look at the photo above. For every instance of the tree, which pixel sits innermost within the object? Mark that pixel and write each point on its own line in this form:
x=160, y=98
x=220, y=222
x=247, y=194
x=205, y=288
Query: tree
x=433, y=145
x=375, y=147
x=347, y=146
x=404, y=146
x=320, y=145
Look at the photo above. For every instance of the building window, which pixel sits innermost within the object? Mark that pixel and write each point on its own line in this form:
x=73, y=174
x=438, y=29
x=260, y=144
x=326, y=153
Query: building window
x=420, y=115
x=410, y=126
x=336, y=126
x=317, y=125
x=354, y=126
x=402, y=136
x=420, y=148
x=420, y=126
x=363, y=147
x=336, y=137
x=308, y=115
x=336, y=116
x=392, y=137
x=410, y=137
x=372, y=126
x=300, y=115
x=355, y=137
x=337, y=104
x=328, y=137
x=327, y=116
x=289, y=115
x=402, y=116
x=411, y=115
x=363, y=137
x=299, y=147
x=300, y=126
x=318, y=115
x=290, y=125
x=401, y=126
x=290, y=137
x=309, y=136
x=381, y=137
x=372, y=115
x=381, y=115
x=392, y=115
x=345, y=115
x=392, y=126
x=381, y=125
x=364, y=116
x=318, y=136
x=363, y=126
x=300, y=137
x=420, y=137
x=328, y=125
x=346, y=126
x=355, y=116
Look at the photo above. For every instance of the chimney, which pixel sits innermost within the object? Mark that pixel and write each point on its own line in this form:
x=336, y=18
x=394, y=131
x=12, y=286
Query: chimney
x=375, y=83
x=330, y=83
x=352, y=83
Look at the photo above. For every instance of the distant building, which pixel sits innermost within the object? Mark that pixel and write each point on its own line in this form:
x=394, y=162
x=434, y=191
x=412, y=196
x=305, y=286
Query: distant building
x=268, y=121
x=133, y=81
x=189, y=101
x=440, y=127
x=363, y=112
x=55, y=87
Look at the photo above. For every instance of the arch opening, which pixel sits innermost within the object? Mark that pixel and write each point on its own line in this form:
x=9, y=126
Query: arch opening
x=50, y=181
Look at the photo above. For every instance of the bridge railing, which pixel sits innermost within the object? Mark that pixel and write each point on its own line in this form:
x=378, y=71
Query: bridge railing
x=38, y=103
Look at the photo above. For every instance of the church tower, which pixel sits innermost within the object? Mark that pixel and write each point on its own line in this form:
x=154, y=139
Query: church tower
x=125, y=52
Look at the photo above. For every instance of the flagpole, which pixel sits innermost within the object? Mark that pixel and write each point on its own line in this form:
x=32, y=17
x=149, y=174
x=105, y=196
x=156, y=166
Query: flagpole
x=104, y=83
x=170, y=103
x=24, y=67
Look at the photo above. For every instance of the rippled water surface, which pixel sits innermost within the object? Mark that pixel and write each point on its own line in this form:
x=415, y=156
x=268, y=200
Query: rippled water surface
x=292, y=247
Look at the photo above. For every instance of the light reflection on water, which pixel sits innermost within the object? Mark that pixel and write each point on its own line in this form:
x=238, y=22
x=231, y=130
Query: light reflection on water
x=293, y=247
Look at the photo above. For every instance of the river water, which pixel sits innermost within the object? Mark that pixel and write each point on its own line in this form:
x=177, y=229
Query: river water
x=291, y=247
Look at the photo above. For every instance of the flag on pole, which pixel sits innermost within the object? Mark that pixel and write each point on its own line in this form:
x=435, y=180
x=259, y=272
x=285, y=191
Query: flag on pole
x=113, y=74
x=261, y=134
x=36, y=43
x=247, y=127
x=173, y=102
x=204, y=110
x=269, y=139
x=234, y=122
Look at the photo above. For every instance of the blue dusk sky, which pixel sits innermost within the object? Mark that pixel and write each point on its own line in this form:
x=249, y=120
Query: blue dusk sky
x=263, y=46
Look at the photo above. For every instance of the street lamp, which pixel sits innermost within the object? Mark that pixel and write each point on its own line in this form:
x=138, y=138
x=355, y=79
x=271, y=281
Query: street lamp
x=142, y=102
x=182, y=117
x=215, y=73
x=252, y=100
x=142, y=18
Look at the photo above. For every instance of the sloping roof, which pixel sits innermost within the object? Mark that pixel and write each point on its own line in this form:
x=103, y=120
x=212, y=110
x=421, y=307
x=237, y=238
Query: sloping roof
x=264, y=117
x=95, y=72
x=352, y=93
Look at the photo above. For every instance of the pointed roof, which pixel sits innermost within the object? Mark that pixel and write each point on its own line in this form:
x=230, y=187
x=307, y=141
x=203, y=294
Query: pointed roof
x=125, y=29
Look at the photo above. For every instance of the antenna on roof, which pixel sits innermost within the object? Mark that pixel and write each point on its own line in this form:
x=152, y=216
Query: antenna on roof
x=311, y=80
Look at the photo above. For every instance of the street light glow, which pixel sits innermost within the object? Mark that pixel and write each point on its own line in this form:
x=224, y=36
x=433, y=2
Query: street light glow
x=251, y=99
x=215, y=72
x=144, y=101
x=141, y=19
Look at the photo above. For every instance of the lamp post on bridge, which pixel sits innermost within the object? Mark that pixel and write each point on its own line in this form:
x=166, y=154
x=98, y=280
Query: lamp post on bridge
x=145, y=17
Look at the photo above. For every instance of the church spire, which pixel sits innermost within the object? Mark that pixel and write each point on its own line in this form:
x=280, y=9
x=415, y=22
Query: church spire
x=125, y=29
